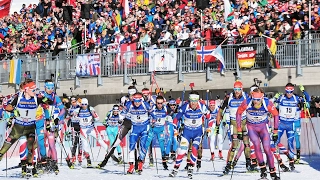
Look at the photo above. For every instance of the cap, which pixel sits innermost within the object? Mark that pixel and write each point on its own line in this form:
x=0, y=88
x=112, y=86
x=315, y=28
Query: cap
x=238, y=84
x=84, y=101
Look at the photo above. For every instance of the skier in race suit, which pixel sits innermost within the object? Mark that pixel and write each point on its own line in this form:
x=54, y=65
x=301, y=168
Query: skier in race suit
x=87, y=118
x=160, y=117
x=53, y=118
x=112, y=122
x=24, y=109
x=75, y=131
x=232, y=102
x=193, y=113
x=257, y=108
x=288, y=105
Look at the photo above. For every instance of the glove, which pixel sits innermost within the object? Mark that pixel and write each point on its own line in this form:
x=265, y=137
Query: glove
x=48, y=127
x=179, y=138
x=16, y=113
x=277, y=96
x=56, y=121
x=9, y=123
x=216, y=129
x=275, y=135
x=301, y=88
x=240, y=136
x=208, y=131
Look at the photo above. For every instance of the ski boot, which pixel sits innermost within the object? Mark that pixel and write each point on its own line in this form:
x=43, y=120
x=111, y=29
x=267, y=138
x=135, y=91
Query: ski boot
x=174, y=172
x=227, y=168
x=140, y=166
x=173, y=155
x=212, y=156
x=297, y=161
x=188, y=164
x=151, y=160
x=120, y=159
x=102, y=164
x=220, y=154
x=291, y=164
x=34, y=172
x=190, y=172
x=282, y=166
x=131, y=168
x=198, y=165
x=89, y=164
x=23, y=168
x=273, y=174
x=164, y=163
x=234, y=163
x=55, y=167
x=263, y=171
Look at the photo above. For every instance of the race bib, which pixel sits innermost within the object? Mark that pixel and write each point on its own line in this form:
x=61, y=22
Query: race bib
x=287, y=112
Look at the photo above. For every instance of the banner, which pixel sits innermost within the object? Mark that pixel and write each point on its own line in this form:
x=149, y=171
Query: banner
x=4, y=8
x=162, y=60
x=246, y=55
x=88, y=65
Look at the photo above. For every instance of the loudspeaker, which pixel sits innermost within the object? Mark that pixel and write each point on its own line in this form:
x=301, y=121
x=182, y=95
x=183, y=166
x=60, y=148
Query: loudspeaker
x=202, y=4
x=85, y=11
x=67, y=13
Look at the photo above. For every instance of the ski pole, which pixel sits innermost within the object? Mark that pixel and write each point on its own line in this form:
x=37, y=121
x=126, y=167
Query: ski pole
x=155, y=156
x=236, y=152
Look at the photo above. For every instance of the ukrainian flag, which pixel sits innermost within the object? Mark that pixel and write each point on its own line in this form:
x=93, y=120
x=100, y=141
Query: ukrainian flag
x=15, y=71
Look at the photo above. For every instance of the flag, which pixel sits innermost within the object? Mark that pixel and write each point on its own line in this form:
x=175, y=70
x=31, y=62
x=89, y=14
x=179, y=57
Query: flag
x=4, y=8
x=204, y=54
x=15, y=71
x=118, y=19
x=129, y=54
x=217, y=53
x=228, y=12
x=271, y=45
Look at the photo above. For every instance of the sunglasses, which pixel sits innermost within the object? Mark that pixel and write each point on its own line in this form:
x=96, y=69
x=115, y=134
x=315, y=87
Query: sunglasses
x=289, y=91
x=73, y=101
x=237, y=89
x=50, y=88
x=84, y=104
x=33, y=90
x=256, y=99
x=172, y=105
x=159, y=102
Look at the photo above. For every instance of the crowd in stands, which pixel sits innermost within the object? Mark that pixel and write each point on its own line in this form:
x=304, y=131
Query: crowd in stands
x=178, y=23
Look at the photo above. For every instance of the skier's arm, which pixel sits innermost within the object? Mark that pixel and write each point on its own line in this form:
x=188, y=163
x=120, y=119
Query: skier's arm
x=272, y=109
x=240, y=110
x=94, y=114
x=221, y=110
x=62, y=112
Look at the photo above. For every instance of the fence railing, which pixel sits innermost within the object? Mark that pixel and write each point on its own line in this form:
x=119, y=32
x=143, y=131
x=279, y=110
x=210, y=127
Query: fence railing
x=289, y=54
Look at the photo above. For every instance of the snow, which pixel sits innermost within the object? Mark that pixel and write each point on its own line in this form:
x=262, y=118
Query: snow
x=113, y=171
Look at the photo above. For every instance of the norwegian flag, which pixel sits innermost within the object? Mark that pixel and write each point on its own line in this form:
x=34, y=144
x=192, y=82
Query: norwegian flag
x=204, y=54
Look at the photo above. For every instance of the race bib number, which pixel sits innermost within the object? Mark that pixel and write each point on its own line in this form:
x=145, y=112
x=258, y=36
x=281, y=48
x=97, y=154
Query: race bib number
x=287, y=112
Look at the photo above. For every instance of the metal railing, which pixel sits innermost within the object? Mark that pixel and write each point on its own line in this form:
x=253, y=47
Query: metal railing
x=289, y=54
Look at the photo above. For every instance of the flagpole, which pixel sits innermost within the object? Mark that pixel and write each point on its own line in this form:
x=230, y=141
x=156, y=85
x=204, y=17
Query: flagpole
x=223, y=41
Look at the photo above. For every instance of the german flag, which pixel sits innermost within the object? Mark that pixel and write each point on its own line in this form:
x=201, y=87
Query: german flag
x=272, y=48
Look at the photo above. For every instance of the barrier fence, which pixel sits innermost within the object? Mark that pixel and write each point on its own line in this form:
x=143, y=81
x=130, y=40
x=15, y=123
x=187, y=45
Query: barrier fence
x=40, y=66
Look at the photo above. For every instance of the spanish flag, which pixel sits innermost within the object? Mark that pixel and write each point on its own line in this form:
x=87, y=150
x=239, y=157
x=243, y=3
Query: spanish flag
x=271, y=44
x=15, y=71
